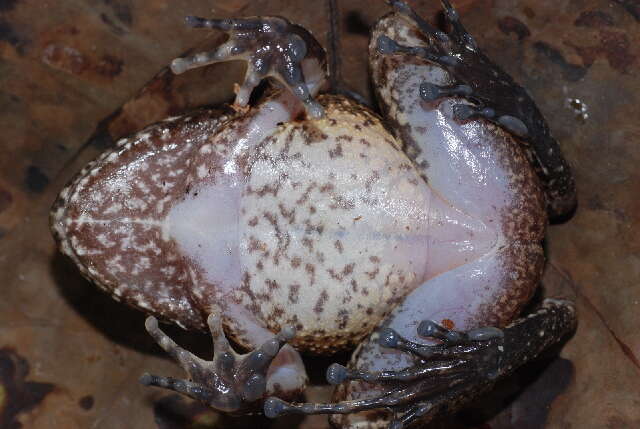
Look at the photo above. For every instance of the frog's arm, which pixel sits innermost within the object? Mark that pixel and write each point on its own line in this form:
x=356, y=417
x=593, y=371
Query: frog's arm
x=272, y=47
x=447, y=375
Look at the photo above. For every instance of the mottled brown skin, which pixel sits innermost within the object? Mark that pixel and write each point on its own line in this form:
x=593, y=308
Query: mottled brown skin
x=156, y=141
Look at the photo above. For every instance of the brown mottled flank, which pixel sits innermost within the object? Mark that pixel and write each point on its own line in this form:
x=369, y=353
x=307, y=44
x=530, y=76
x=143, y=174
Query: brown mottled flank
x=108, y=218
x=523, y=223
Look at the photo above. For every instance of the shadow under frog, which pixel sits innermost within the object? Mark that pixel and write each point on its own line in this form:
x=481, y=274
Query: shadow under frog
x=197, y=153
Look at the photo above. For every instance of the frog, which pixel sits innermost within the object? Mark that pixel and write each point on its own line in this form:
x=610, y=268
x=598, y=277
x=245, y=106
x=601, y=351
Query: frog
x=307, y=222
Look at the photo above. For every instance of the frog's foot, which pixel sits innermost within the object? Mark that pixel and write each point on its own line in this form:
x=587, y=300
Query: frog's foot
x=272, y=47
x=488, y=93
x=445, y=375
x=230, y=382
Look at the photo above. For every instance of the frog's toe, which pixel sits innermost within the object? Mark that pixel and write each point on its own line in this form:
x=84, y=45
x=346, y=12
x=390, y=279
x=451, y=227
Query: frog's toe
x=430, y=92
x=272, y=47
x=464, y=112
x=231, y=381
x=388, y=46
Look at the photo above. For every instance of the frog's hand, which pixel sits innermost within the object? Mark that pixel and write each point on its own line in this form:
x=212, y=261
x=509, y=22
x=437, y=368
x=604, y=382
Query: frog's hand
x=272, y=47
x=230, y=382
x=494, y=94
x=448, y=375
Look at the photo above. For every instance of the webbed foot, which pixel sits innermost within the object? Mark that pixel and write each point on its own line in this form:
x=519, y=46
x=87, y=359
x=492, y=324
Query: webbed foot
x=231, y=381
x=446, y=375
x=490, y=93
x=272, y=47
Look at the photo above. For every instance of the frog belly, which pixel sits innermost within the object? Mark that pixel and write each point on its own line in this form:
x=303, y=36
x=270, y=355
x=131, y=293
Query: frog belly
x=330, y=234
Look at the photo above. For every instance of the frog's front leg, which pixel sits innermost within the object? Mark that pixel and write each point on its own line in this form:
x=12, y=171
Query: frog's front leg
x=231, y=381
x=448, y=375
x=272, y=47
x=493, y=95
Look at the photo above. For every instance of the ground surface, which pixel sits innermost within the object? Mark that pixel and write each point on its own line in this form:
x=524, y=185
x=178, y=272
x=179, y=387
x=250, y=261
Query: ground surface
x=70, y=78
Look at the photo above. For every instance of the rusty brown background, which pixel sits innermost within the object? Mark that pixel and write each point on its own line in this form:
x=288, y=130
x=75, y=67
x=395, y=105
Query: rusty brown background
x=76, y=75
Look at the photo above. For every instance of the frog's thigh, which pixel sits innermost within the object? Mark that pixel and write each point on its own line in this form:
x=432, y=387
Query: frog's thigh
x=485, y=292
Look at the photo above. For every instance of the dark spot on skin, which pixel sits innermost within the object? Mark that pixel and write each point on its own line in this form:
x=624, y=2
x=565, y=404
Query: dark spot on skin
x=327, y=187
x=373, y=274
x=338, y=245
x=293, y=293
x=509, y=25
x=593, y=19
x=276, y=314
x=313, y=134
x=19, y=396
x=631, y=6
x=571, y=72
x=86, y=402
x=322, y=299
x=253, y=221
x=305, y=197
x=35, y=180
x=306, y=242
x=356, y=24
x=343, y=319
x=5, y=200
x=295, y=262
x=311, y=270
x=272, y=284
x=290, y=215
x=336, y=152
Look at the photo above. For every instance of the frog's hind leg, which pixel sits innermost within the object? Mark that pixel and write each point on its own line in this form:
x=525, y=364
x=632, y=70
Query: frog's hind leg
x=272, y=47
x=486, y=91
x=446, y=375
x=230, y=381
